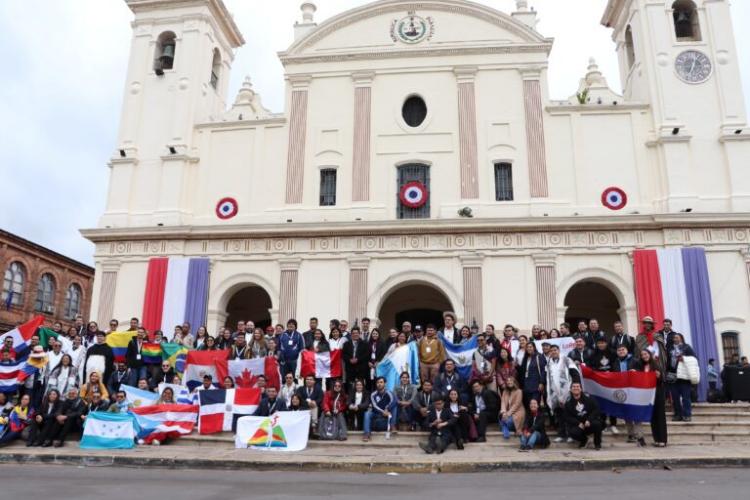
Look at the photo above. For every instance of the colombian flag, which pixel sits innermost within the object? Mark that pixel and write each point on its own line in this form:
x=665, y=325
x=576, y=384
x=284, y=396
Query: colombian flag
x=151, y=353
x=119, y=341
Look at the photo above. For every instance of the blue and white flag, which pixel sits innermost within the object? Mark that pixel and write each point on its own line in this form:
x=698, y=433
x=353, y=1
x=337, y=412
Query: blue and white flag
x=182, y=395
x=139, y=397
x=107, y=431
x=402, y=359
x=461, y=354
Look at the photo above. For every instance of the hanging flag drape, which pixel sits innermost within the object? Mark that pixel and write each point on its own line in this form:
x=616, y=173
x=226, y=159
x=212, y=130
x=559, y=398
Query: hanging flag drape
x=698, y=291
x=197, y=293
x=674, y=283
x=153, y=299
x=648, y=285
x=176, y=292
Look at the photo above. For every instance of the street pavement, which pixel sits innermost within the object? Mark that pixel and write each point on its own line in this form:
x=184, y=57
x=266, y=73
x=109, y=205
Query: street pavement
x=84, y=483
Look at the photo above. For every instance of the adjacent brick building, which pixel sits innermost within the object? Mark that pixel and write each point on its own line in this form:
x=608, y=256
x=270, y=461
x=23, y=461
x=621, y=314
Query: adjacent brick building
x=37, y=280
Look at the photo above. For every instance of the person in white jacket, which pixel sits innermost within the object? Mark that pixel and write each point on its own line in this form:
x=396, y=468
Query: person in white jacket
x=561, y=371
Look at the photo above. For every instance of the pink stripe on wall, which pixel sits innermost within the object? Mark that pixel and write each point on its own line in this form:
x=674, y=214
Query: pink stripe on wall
x=357, y=294
x=361, y=160
x=288, y=298
x=296, y=156
x=532, y=99
x=467, y=131
x=545, y=293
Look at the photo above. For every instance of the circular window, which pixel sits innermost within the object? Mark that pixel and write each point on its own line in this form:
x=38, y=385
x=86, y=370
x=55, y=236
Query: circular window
x=414, y=111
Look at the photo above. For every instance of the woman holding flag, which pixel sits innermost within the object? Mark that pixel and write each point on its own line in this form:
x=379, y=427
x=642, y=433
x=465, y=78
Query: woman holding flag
x=13, y=425
x=646, y=363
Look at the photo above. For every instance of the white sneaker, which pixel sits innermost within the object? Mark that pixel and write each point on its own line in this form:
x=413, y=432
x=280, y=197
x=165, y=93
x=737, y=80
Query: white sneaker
x=156, y=442
x=141, y=441
x=559, y=440
x=614, y=430
x=569, y=440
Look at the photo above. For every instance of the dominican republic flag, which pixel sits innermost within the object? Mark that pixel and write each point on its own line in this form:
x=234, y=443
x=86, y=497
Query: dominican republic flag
x=11, y=376
x=402, y=359
x=176, y=292
x=674, y=283
x=201, y=363
x=461, y=354
x=22, y=334
x=626, y=395
x=245, y=372
x=321, y=364
x=220, y=409
x=159, y=422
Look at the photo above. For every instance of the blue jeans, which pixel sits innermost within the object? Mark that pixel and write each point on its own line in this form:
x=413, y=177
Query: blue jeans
x=680, y=391
x=377, y=422
x=136, y=374
x=507, y=426
x=531, y=440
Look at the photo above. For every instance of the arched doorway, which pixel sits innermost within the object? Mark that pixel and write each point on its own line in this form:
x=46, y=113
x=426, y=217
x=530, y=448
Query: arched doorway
x=418, y=303
x=250, y=303
x=589, y=299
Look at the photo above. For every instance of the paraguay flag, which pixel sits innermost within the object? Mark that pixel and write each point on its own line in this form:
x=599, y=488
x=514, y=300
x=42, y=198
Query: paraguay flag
x=401, y=359
x=201, y=363
x=321, y=364
x=626, y=395
x=159, y=422
x=220, y=409
x=22, y=334
x=461, y=354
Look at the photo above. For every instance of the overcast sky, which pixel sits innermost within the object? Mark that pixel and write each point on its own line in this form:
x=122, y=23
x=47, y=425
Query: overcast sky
x=63, y=75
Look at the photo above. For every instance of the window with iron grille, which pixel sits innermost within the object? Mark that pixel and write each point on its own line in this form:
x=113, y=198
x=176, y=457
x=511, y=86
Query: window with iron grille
x=503, y=182
x=45, y=293
x=411, y=173
x=328, y=187
x=730, y=344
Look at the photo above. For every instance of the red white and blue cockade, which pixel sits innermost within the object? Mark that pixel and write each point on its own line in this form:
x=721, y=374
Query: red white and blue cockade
x=614, y=198
x=227, y=208
x=413, y=194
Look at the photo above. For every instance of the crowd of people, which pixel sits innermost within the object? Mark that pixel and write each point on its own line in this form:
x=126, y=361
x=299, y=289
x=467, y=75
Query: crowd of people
x=512, y=386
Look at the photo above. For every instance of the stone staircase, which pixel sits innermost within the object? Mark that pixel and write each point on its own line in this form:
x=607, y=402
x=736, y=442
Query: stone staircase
x=711, y=424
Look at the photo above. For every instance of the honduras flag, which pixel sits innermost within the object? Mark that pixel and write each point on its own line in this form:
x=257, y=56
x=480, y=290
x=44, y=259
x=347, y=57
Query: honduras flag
x=626, y=395
x=402, y=359
x=107, y=431
x=461, y=354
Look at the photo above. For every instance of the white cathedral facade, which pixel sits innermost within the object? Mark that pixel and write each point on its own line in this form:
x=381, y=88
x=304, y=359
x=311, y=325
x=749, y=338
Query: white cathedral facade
x=420, y=165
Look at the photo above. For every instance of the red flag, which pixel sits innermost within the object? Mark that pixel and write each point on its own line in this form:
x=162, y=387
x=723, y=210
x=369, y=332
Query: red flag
x=321, y=364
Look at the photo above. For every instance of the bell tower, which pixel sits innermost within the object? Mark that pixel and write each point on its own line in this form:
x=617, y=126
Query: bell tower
x=680, y=57
x=178, y=75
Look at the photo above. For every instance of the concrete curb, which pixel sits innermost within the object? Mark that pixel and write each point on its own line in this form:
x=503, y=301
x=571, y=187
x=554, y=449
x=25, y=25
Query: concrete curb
x=373, y=467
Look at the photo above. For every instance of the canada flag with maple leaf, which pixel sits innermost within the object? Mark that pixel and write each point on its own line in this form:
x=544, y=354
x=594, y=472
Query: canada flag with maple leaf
x=245, y=372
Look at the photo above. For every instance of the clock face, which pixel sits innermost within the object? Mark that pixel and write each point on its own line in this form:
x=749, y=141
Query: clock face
x=693, y=66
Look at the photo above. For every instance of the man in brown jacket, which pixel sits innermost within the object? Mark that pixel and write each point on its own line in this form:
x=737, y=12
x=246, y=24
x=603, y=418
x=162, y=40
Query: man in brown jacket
x=431, y=354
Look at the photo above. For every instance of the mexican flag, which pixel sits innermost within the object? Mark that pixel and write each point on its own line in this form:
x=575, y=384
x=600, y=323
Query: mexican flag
x=45, y=334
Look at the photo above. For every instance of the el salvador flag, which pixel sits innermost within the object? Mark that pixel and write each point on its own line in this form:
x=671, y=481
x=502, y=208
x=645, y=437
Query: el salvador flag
x=461, y=354
x=402, y=359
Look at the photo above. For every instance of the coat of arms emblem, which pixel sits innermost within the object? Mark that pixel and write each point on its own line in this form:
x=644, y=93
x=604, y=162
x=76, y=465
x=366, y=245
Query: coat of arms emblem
x=412, y=29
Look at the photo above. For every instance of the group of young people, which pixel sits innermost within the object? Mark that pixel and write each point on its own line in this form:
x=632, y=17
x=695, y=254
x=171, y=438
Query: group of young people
x=512, y=385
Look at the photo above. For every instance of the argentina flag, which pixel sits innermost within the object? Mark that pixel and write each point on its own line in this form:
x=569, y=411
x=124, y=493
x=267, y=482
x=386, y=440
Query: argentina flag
x=402, y=359
x=461, y=354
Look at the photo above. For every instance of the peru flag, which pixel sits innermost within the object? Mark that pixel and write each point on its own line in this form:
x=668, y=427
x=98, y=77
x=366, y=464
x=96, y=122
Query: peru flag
x=626, y=395
x=21, y=335
x=220, y=409
x=159, y=422
x=321, y=364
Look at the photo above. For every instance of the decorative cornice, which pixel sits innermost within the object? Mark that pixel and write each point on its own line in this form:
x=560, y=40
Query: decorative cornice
x=408, y=228
x=359, y=262
x=363, y=78
x=565, y=109
x=414, y=52
x=242, y=124
x=290, y=264
x=299, y=82
x=465, y=74
x=471, y=260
